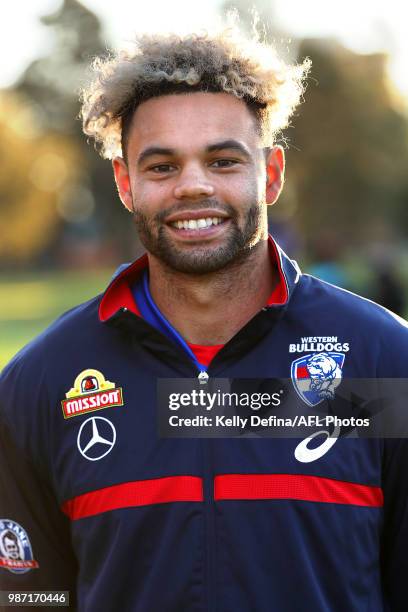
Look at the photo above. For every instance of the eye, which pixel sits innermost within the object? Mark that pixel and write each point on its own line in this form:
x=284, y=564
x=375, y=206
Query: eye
x=161, y=168
x=224, y=163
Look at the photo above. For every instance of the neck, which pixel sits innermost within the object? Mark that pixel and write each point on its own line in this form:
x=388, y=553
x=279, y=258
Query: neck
x=210, y=309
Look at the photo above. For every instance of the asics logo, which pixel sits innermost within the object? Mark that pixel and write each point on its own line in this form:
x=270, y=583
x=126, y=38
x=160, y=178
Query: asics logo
x=305, y=454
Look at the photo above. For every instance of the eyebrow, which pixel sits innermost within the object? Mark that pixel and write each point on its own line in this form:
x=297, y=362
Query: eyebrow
x=217, y=146
x=150, y=151
x=229, y=144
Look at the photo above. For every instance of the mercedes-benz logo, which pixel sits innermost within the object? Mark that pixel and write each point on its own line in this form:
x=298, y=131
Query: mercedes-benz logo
x=96, y=438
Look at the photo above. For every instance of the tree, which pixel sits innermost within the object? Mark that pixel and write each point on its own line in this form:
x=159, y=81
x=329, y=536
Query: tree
x=350, y=152
x=35, y=167
x=89, y=211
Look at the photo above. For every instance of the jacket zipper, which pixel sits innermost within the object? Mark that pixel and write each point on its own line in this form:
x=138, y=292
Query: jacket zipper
x=173, y=333
x=208, y=477
x=209, y=525
x=203, y=377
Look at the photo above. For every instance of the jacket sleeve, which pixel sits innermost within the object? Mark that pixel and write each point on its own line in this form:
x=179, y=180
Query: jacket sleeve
x=395, y=530
x=35, y=546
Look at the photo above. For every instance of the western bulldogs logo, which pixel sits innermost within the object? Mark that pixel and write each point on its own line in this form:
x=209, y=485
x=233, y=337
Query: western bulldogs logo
x=16, y=554
x=316, y=377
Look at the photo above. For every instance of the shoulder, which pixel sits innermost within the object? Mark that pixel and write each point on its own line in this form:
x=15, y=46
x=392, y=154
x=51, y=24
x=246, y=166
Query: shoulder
x=26, y=380
x=65, y=330
x=377, y=330
x=344, y=301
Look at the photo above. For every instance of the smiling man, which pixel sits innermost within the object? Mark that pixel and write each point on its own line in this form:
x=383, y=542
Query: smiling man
x=194, y=179
x=128, y=520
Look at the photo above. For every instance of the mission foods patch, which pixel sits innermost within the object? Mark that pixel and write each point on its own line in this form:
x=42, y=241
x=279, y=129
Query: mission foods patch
x=91, y=391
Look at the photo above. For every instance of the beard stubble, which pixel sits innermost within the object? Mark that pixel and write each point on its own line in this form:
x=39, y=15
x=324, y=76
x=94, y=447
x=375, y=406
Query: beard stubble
x=200, y=259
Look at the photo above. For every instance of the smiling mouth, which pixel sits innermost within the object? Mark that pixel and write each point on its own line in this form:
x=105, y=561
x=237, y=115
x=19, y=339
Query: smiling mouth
x=197, y=224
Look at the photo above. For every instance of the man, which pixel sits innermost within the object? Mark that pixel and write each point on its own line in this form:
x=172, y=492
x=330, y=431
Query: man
x=128, y=520
x=10, y=545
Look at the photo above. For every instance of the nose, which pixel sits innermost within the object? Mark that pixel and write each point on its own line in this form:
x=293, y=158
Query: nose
x=193, y=183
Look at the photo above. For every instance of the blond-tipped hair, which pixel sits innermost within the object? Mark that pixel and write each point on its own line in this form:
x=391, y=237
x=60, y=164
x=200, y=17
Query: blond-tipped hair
x=168, y=63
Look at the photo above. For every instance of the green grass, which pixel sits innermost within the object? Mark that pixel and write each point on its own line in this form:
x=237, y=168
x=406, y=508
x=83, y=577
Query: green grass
x=29, y=303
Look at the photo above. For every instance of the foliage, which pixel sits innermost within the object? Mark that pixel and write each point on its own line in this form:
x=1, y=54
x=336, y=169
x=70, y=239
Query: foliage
x=349, y=155
x=35, y=167
x=89, y=210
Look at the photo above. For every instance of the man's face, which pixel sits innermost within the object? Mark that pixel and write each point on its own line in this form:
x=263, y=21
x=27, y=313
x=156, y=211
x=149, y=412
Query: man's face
x=195, y=180
x=11, y=548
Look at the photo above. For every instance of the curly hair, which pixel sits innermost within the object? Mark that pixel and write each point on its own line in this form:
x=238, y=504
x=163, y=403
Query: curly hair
x=163, y=64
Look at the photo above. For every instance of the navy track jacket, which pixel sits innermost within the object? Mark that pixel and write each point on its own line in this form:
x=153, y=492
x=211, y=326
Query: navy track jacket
x=93, y=501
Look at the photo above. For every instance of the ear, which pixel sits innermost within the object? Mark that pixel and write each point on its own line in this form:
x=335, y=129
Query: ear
x=122, y=179
x=275, y=169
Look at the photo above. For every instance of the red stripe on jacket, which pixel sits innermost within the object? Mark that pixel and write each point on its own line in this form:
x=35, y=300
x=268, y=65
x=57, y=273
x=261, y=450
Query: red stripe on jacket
x=295, y=486
x=137, y=493
x=226, y=487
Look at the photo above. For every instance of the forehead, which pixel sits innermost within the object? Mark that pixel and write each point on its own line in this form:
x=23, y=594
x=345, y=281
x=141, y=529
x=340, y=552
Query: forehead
x=191, y=121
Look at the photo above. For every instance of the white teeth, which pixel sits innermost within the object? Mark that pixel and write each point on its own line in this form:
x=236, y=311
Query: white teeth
x=193, y=224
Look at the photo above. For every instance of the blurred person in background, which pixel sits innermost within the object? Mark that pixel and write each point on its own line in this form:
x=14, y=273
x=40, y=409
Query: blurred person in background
x=326, y=258
x=100, y=504
x=390, y=291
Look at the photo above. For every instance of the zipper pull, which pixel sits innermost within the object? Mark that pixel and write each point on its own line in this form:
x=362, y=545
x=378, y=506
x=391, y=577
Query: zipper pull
x=203, y=377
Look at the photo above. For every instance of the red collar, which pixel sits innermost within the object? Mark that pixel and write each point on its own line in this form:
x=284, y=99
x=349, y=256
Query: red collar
x=119, y=293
